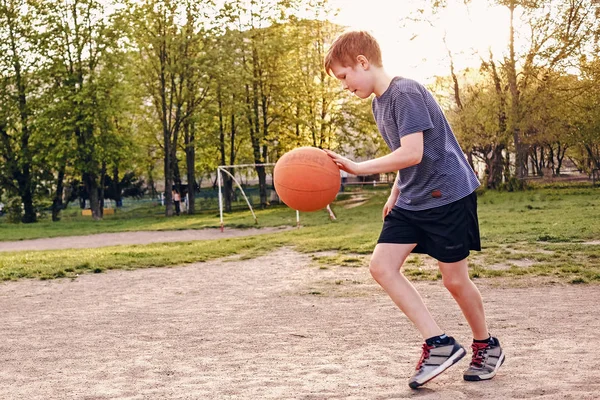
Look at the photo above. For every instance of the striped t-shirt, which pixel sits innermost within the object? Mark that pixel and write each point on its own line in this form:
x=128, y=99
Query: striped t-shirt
x=443, y=175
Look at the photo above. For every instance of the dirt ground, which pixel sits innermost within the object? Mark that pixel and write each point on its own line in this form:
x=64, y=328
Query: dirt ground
x=279, y=327
x=138, y=237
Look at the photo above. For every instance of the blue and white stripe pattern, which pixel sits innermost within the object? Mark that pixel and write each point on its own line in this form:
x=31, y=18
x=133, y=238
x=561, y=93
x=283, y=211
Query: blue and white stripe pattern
x=443, y=175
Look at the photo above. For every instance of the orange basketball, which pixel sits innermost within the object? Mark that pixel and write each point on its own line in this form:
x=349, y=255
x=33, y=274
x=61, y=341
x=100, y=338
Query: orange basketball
x=306, y=179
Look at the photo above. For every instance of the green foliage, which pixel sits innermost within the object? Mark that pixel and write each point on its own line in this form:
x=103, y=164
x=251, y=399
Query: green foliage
x=533, y=104
x=14, y=210
x=69, y=65
x=131, y=86
x=513, y=184
x=171, y=47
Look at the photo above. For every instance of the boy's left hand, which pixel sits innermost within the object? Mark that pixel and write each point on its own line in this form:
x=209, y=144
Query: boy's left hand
x=344, y=163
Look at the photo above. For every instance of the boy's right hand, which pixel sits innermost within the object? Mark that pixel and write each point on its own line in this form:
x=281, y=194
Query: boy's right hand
x=343, y=163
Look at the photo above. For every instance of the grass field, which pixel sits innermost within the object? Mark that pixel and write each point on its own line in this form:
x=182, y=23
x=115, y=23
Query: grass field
x=547, y=232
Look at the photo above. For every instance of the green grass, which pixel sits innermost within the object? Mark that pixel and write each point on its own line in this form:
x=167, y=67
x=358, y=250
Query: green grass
x=151, y=218
x=536, y=233
x=547, y=215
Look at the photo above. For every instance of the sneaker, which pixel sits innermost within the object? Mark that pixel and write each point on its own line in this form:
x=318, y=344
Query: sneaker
x=435, y=360
x=487, y=358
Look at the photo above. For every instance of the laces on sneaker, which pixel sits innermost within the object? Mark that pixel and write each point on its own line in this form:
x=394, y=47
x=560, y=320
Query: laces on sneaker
x=424, y=355
x=479, y=350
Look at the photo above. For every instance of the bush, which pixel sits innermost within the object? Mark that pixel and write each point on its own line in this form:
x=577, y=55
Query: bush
x=14, y=210
x=513, y=184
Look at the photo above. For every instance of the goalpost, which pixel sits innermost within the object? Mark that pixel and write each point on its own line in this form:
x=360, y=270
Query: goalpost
x=225, y=169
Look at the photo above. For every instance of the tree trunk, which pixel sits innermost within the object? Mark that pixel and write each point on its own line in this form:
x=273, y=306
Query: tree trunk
x=91, y=187
x=497, y=160
x=23, y=177
x=537, y=170
x=496, y=167
x=552, y=164
x=117, y=187
x=101, y=189
x=507, y=173
x=229, y=189
x=520, y=153
x=470, y=159
x=560, y=156
x=168, y=174
x=259, y=136
x=297, y=126
x=57, y=201
x=29, y=214
x=176, y=171
x=228, y=195
x=594, y=158
x=190, y=158
x=262, y=185
x=224, y=177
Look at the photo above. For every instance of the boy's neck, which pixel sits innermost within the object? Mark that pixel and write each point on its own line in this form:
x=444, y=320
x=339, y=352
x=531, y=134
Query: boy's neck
x=382, y=81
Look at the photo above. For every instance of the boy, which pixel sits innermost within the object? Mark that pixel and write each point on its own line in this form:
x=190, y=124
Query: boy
x=432, y=208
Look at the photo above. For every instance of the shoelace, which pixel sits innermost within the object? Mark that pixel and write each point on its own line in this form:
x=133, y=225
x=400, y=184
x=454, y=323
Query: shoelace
x=424, y=355
x=478, y=354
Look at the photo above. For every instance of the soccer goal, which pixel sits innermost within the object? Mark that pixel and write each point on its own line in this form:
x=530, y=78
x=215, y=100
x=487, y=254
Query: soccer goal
x=225, y=169
x=250, y=177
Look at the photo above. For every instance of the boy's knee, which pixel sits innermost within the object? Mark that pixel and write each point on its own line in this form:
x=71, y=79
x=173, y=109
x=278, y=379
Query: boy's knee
x=381, y=270
x=453, y=284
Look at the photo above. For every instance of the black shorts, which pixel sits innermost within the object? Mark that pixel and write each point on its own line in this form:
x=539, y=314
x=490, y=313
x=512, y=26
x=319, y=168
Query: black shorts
x=447, y=233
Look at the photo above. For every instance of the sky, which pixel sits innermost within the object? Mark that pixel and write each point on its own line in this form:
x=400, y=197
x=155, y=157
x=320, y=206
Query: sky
x=469, y=32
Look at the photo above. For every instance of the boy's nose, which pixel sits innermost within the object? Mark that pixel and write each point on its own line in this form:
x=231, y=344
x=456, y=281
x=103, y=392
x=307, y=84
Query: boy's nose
x=344, y=86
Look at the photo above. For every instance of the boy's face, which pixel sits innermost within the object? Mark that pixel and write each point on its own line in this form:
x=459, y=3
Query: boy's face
x=356, y=79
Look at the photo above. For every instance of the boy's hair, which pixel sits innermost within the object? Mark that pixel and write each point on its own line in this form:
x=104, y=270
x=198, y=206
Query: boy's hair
x=350, y=45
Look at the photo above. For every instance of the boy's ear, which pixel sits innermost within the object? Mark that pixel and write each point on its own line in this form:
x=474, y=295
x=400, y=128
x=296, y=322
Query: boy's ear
x=363, y=61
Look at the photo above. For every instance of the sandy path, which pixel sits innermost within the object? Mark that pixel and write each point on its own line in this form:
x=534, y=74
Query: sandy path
x=251, y=329
x=138, y=237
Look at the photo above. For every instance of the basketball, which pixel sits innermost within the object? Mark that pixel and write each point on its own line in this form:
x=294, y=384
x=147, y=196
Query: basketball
x=306, y=179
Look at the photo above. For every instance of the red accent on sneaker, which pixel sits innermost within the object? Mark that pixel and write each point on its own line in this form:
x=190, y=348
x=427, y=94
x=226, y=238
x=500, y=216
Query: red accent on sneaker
x=424, y=355
x=478, y=353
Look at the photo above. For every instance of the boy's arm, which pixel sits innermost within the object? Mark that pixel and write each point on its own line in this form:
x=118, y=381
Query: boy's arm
x=395, y=190
x=408, y=154
x=391, y=201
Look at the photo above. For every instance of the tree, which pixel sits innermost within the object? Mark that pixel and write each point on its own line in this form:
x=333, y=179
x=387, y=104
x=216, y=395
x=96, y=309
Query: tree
x=558, y=34
x=545, y=40
x=475, y=123
x=80, y=42
x=261, y=51
x=312, y=115
x=228, y=104
x=170, y=71
x=16, y=72
x=585, y=130
x=196, y=64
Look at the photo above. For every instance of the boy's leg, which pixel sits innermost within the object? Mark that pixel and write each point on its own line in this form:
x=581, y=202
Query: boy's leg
x=487, y=352
x=439, y=351
x=455, y=277
x=386, y=261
